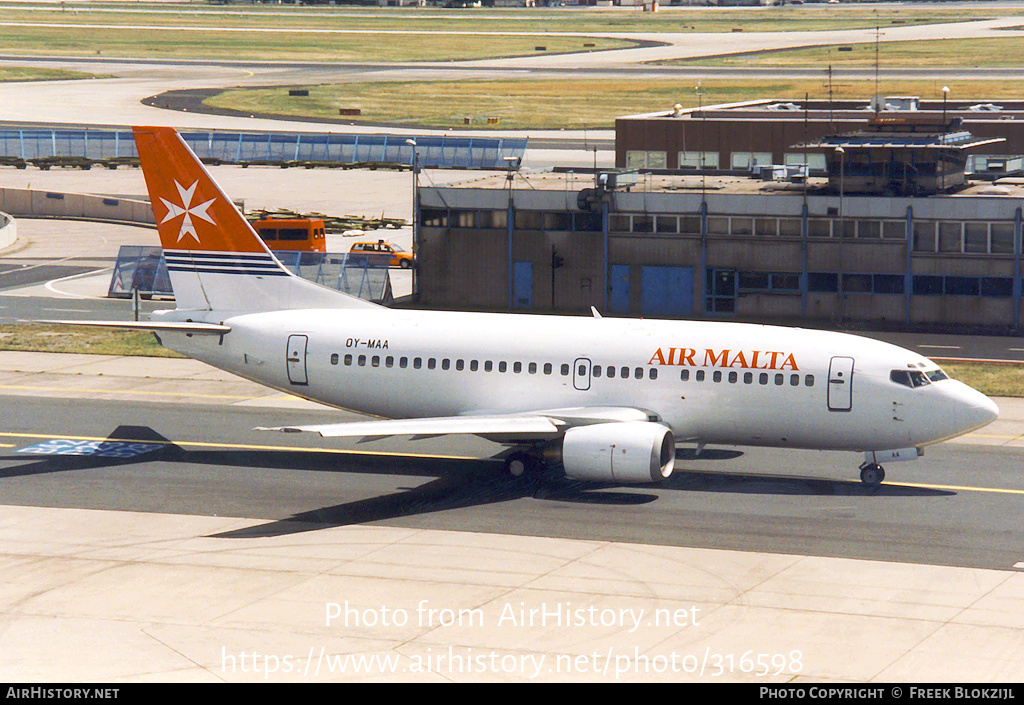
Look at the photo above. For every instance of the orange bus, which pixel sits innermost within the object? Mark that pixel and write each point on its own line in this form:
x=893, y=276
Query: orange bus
x=302, y=234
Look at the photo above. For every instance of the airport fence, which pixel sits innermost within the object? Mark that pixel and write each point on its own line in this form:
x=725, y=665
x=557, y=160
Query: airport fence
x=88, y=147
x=144, y=268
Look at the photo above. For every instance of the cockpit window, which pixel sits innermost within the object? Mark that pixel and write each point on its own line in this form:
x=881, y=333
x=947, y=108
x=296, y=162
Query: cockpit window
x=900, y=377
x=936, y=375
x=911, y=378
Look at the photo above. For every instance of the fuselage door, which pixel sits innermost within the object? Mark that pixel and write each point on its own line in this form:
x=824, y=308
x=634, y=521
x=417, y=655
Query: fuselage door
x=840, y=384
x=581, y=374
x=297, y=359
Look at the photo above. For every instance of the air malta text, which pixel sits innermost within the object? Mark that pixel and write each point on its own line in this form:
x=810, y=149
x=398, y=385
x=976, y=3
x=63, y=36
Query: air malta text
x=746, y=359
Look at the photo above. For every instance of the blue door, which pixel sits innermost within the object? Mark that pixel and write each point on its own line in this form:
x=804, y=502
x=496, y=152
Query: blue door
x=618, y=299
x=666, y=291
x=522, y=285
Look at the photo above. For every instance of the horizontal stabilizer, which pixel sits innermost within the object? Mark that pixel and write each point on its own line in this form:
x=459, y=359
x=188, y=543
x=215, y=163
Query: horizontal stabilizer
x=194, y=328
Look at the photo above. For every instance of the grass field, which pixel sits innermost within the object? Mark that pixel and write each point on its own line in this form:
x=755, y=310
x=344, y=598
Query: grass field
x=338, y=34
x=172, y=43
x=326, y=33
x=34, y=73
x=808, y=17
x=67, y=339
x=951, y=53
x=993, y=380
x=555, y=104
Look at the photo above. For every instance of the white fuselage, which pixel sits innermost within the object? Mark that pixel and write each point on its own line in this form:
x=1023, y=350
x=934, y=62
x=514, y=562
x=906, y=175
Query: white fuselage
x=710, y=382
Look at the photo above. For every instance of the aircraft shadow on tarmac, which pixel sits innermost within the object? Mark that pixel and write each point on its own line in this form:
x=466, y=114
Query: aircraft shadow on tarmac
x=456, y=484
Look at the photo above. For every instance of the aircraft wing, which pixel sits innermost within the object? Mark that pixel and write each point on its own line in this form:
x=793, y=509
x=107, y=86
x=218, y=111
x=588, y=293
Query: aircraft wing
x=531, y=425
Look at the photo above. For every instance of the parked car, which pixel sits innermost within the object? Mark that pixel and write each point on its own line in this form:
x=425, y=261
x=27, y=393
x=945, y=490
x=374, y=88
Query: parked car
x=395, y=255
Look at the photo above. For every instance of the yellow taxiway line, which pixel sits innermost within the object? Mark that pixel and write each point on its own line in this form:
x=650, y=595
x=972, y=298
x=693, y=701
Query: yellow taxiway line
x=237, y=446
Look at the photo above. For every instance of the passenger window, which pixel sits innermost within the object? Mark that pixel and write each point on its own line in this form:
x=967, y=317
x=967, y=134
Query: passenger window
x=488, y=365
x=389, y=361
x=533, y=368
x=431, y=363
x=362, y=360
x=780, y=379
x=417, y=362
x=654, y=373
x=717, y=376
x=597, y=370
x=375, y=361
x=638, y=373
x=794, y=380
x=517, y=367
x=547, y=368
x=459, y=365
x=733, y=377
x=763, y=378
x=611, y=372
x=699, y=376
x=565, y=370
x=334, y=359
x=403, y=362
x=809, y=380
x=502, y=366
x=748, y=378
x=474, y=365
x=684, y=375
x=624, y=372
x=446, y=363
x=348, y=360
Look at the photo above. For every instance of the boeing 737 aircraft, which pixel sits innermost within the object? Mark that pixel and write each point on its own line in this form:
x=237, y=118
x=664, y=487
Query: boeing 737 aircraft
x=604, y=399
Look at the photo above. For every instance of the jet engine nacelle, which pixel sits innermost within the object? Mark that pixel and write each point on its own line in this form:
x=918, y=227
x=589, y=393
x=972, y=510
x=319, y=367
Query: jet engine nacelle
x=633, y=451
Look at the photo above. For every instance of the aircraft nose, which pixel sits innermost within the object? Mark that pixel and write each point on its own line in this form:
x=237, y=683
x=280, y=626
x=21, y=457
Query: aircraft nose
x=974, y=410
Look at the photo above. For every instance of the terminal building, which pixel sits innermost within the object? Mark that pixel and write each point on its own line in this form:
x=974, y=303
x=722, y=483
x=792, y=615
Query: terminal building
x=938, y=247
x=740, y=137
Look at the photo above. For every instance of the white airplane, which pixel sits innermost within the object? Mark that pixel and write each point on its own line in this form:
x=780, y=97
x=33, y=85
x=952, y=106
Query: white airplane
x=605, y=399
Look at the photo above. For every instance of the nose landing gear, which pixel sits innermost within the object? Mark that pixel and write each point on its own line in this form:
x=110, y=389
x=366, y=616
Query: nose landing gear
x=872, y=474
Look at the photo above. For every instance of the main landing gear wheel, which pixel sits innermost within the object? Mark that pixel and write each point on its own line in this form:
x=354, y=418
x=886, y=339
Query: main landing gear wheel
x=519, y=464
x=872, y=474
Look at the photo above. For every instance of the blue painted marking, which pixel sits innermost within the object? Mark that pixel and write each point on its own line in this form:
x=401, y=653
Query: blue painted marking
x=98, y=449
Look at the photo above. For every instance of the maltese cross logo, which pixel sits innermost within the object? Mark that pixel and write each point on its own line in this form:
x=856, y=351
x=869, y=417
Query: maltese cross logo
x=188, y=210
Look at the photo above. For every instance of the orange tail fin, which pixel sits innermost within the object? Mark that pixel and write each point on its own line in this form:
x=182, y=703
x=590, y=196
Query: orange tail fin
x=193, y=213
x=215, y=259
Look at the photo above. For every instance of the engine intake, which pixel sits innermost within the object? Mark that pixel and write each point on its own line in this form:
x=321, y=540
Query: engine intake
x=628, y=452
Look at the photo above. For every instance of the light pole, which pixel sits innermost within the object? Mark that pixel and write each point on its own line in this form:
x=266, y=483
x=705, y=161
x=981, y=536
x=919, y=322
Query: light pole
x=415, y=215
x=842, y=225
x=511, y=164
x=939, y=163
x=842, y=176
x=703, y=138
